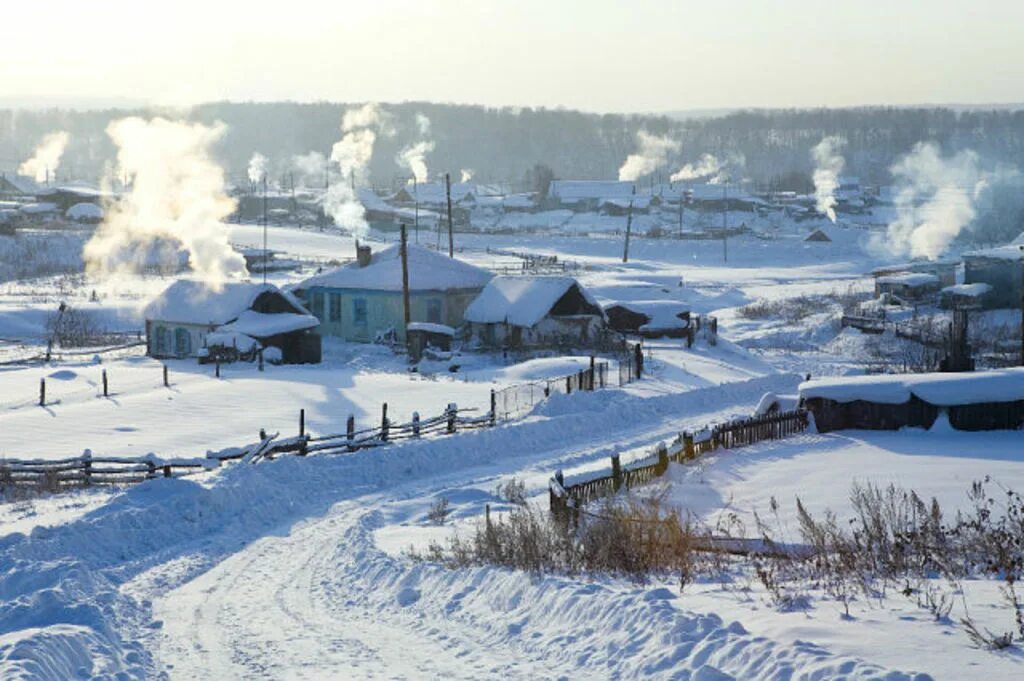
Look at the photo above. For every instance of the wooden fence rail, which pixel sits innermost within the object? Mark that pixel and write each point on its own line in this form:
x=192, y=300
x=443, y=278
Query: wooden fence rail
x=566, y=500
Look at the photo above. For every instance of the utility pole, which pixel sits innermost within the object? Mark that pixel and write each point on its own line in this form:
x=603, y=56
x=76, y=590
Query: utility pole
x=451, y=235
x=416, y=207
x=629, y=226
x=725, y=221
x=405, y=281
x=1021, y=305
x=264, y=228
x=680, y=212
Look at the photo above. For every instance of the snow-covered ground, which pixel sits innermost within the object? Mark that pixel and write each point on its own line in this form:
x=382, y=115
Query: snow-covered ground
x=295, y=568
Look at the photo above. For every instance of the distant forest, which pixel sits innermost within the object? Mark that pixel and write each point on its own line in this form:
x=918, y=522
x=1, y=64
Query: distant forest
x=503, y=145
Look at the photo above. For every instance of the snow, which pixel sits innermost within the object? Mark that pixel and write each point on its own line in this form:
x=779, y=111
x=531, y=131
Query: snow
x=661, y=314
x=231, y=339
x=84, y=211
x=194, y=302
x=38, y=208
x=968, y=290
x=520, y=301
x=429, y=327
x=909, y=279
x=264, y=325
x=428, y=271
x=939, y=389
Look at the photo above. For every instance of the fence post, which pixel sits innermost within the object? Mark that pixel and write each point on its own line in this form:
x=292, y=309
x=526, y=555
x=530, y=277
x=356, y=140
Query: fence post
x=616, y=473
x=87, y=467
x=151, y=472
x=105, y=383
x=638, y=360
x=452, y=414
x=350, y=432
x=166, y=382
x=302, y=432
x=261, y=358
x=494, y=407
x=217, y=369
x=263, y=434
x=384, y=425
x=568, y=385
x=688, y=450
x=42, y=392
x=662, y=458
x=415, y=424
x=167, y=470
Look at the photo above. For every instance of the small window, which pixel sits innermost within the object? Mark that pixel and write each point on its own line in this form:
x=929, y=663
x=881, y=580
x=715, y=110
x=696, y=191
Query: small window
x=182, y=342
x=335, y=300
x=316, y=304
x=359, y=311
x=434, y=310
x=162, y=340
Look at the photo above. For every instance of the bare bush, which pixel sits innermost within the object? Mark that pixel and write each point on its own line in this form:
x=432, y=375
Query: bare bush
x=513, y=491
x=71, y=327
x=439, y=511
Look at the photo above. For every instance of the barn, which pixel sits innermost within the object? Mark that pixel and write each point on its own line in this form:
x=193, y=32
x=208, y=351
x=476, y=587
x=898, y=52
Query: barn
x=362, y=300
x=911, y=287
x=979, y=400
x=189, y=319
x=535, y=312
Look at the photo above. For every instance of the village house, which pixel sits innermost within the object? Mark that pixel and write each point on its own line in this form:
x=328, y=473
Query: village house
x=189, y=319
x=945, y=270
x=362, y=300
x=1002, y=269
x=535, y=311
x=651, y=319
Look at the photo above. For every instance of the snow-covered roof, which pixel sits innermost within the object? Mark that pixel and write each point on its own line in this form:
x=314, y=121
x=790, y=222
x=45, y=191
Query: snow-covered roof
x=435, y=192
x=1010, y=251
x=710, y=191
x=578, y=190
x=661, y=314
x=521, y=301
x=428, y=271
x=969, y=290
x=940, y=389
x=25, y=185
x=231, y=339
x=264, y=325
x=36, y=208
x=193, y=302
x=639, y=202
x=909, y=279
x=429, y=327
x=84, y=211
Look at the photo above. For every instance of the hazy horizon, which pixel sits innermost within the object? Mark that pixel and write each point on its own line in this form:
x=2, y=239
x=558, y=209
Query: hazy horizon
x=649, y=57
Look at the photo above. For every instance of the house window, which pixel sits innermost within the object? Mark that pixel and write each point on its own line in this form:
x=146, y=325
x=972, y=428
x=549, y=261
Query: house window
x=316, y=304
x=182, y=342
x=335, y=301
x=434, y=310
x=162, y=341
x=359, y=311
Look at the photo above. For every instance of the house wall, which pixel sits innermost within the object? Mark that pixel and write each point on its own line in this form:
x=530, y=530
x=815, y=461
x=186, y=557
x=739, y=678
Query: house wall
x=196, y=334
x=384, y=310
x=578, y=330
x=830, y=415
x=1003, y=275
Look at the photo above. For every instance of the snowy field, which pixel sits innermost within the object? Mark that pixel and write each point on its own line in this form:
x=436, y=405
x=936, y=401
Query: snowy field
x=296, y=568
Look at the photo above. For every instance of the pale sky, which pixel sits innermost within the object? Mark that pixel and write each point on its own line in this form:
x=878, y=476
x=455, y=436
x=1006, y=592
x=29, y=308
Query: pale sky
x=596, y=55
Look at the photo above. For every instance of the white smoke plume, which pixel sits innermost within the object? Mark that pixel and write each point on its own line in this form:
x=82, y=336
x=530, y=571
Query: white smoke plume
x=828, y=165
x=177, y=195
x=311, y=168
x=467, y=175
x=46, y=157
x=352, y=155
x=935, y=200
x=707, y=166
x=257, y=168
x=414, y=156
x=653, y=154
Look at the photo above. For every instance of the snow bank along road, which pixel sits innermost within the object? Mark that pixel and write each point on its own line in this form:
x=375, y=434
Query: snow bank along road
x=273, y=572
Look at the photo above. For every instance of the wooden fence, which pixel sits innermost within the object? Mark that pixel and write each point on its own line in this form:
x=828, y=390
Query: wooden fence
x=566, y=499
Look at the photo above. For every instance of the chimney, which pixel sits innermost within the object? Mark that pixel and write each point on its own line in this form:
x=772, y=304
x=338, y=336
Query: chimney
x=362, y=255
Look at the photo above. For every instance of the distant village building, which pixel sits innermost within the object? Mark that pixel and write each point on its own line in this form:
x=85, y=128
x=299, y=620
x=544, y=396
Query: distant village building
x=945, y=270
x=435, y=194
x=189, y=320
x=910, y=287
x=362, y=301
x=535, y=311
x=964, y=296
x=651, y=319
x=1002, y=269
x=587, y=195
x=88, y=213
x=17, y=187
x=818, y=235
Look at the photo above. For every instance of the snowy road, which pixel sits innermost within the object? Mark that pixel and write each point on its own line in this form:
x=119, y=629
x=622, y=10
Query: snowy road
x=322, y=600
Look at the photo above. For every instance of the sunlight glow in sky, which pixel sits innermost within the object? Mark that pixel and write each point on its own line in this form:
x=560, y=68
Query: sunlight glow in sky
x=596, y=55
